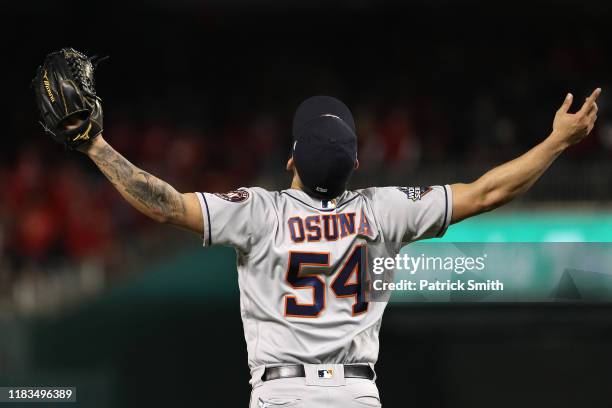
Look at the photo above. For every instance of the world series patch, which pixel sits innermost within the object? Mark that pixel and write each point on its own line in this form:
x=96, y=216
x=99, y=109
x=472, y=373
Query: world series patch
x=414, y=193
x=235, y=196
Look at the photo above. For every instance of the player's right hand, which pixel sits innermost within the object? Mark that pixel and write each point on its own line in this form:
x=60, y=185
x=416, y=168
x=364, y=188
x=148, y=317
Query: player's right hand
x=571, y=128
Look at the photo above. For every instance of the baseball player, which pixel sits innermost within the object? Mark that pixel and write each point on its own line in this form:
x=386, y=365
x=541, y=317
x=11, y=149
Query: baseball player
x=311, y=335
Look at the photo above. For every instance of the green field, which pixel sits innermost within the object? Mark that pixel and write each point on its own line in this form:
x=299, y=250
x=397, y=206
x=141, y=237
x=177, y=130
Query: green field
x=534, y=226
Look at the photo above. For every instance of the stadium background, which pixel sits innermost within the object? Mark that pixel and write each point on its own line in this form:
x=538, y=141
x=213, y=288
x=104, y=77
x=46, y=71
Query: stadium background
x=201, y=94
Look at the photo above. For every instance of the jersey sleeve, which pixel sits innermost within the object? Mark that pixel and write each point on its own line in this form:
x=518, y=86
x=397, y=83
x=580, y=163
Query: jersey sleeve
x=240, y=218
x=407, y=214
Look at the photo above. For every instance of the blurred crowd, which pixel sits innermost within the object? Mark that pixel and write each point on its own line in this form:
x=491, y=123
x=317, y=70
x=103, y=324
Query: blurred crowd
x=212, y=112
x=58, y=211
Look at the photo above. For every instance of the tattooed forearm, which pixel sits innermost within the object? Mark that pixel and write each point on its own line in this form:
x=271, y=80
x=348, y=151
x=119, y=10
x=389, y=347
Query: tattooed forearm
x=157, y=195
x=147, y=193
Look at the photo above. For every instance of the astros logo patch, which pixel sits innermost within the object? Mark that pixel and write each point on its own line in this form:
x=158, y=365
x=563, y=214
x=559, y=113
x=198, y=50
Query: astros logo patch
x=235, y=196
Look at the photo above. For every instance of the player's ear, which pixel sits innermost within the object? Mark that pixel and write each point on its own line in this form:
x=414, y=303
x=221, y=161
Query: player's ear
x=356, y=164
x=290, y=164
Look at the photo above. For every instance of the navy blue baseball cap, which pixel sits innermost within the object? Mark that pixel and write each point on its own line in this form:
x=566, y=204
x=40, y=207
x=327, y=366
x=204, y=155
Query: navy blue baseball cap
x=324, y=145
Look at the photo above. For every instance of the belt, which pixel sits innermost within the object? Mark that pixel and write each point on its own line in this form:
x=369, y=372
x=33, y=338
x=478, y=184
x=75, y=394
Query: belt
x=296, y=370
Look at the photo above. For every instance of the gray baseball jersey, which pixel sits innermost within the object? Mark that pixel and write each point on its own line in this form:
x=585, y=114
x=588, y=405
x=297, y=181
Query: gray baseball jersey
x=298, y=259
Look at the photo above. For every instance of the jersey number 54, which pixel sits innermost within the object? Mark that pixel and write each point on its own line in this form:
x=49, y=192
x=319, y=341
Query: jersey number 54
x=340, y=285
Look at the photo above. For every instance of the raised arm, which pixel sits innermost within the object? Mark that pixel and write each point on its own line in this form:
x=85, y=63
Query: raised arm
x=506, y=182
x=148, y=194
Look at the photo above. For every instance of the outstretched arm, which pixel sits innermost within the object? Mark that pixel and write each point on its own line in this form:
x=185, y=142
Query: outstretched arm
x=148, y=194
x=502, y=184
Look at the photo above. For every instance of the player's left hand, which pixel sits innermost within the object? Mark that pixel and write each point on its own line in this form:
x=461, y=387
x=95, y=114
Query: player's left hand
x=571, y=128
x=70, y=110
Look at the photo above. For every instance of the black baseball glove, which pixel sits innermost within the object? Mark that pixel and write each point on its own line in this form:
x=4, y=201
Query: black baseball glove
x=65, y=95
